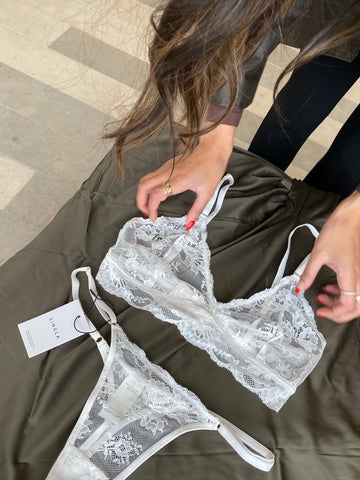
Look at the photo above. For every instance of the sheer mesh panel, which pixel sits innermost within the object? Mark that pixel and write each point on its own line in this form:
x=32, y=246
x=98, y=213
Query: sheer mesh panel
x=116, y=453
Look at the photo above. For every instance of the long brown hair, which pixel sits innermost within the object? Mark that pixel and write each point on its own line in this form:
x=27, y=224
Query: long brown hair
x=199, y=46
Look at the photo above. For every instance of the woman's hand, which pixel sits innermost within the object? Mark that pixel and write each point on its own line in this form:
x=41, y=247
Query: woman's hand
x=200, y=172
x=338, y=247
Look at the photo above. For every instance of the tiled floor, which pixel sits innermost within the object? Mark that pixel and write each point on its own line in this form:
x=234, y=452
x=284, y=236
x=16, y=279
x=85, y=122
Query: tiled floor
x=67, y=67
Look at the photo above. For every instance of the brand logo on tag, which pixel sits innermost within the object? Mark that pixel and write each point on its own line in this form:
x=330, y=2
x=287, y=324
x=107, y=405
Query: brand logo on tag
x=54, y=329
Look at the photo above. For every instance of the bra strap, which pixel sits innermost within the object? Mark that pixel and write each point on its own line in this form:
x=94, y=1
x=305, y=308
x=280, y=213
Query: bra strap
x=280, y=273
x=215, y=203
x=104, y=310
x=247, y=447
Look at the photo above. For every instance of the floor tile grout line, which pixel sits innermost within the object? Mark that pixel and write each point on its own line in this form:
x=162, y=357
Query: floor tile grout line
x=51, y=129
x=9, y=157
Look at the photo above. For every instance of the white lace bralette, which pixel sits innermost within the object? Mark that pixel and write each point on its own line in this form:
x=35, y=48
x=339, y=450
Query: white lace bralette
x=269, y=342
x=135, y=409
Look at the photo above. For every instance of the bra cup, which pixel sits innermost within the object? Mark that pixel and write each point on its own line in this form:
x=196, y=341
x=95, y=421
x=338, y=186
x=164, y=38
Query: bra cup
x=269, y=342
x=277, y=330
x=162, y=257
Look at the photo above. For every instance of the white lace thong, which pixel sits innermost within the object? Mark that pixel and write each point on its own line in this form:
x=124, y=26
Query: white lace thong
x=135, y=409
x=269, y=342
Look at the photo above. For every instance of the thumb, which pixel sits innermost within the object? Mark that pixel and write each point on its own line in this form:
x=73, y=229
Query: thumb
x=196, y=209
x=311, y=270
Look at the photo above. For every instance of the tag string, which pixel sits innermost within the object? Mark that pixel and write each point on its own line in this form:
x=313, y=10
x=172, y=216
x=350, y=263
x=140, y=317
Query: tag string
x=96, y=297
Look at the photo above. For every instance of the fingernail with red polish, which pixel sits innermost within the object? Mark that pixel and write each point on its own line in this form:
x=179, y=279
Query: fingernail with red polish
x=321, y=315
x=189, y=225
x=319, y=299
x=297, y=290
x=145, y=214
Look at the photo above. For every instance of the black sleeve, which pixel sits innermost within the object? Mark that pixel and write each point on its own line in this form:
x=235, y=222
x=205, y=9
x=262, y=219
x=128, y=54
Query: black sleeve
x=250, y=74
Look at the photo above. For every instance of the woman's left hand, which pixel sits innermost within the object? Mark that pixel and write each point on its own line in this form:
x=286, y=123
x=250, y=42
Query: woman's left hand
x=338, y=247
x=199, y=171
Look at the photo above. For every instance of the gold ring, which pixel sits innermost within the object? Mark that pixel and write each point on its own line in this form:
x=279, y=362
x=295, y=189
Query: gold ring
x=166, y=189
x=357, y=298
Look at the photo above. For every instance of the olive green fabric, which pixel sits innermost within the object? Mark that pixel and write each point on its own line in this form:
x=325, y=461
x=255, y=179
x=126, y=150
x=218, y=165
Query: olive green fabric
x=314, y=436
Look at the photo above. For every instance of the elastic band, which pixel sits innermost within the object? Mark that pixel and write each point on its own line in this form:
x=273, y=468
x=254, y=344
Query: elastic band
x=300, y=269
x=247, y=447
x=280, y=273
x=218, y=198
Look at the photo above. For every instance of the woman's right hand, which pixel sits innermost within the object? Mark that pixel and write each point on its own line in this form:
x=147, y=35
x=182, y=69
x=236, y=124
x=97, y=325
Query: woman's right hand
x=201, y=171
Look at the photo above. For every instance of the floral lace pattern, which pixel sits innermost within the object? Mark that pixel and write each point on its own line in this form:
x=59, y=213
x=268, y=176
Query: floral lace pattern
x=269, y=342
x=121, y=448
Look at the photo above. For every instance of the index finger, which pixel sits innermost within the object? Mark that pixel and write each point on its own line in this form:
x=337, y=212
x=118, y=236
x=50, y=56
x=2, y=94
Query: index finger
x=338, y=313
x=145, y=186
x=316, y=261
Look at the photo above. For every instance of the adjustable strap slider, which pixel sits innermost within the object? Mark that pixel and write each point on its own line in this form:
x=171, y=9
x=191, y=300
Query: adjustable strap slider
x=215, y=203
x=246, y=446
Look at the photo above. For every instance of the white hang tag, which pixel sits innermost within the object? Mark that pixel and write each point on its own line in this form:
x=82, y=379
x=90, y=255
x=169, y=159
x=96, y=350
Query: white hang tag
x=53, y=328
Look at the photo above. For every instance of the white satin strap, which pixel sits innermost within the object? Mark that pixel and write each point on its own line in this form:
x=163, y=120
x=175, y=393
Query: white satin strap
x=103, y=309
x=280, y=273
x=247, y=447
x=218, y=198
